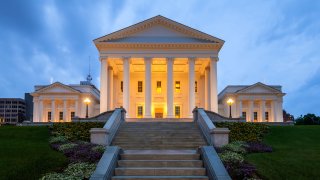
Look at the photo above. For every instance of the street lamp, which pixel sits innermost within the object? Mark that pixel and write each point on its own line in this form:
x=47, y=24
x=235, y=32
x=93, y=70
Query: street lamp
x=230, y=102
x=87, y=101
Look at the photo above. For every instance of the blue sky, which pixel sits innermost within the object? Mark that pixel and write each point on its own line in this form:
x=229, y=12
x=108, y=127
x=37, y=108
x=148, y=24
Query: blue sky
x=274, y=42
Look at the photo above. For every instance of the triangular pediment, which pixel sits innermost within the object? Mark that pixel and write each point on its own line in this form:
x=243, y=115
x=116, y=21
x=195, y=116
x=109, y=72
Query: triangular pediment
x=259, y=88
x=57, y=87
x=159, y=30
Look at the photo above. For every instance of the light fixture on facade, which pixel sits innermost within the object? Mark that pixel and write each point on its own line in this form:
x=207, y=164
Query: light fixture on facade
x=230, y=102
x=87, y=101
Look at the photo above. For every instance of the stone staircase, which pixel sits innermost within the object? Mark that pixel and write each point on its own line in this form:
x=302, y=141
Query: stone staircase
x=159, y=136
x=160, y=164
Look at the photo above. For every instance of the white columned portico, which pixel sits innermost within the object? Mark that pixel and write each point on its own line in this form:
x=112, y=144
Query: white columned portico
x=110, y=88
x=274, y=107
x=104, y=84
x=53, y=108
x=64, y=110
x=191, y=85
x=250, y=111
x=76, y=108
x=213, y=84
x=126, y=84
x=206, y=88
x=279, y=111
x=148, y=88
x=170, y=87
x=262, y=110
x=240, y=108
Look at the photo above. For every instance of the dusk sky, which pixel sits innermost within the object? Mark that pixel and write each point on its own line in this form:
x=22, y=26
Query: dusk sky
x=276, y=42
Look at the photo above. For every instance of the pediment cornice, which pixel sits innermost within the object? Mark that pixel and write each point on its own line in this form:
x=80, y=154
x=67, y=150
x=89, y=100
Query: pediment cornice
x=55, y=85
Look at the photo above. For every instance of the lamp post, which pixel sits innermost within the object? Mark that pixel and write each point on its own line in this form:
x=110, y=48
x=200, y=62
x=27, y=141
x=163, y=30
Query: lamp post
x=87, y=102
x=230, y=102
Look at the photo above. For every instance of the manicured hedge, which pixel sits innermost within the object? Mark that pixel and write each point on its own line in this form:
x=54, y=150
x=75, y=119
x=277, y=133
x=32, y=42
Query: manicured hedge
x=75, y=130
x=248, y=132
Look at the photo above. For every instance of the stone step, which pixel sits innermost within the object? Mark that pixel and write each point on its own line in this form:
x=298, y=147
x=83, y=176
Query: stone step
x=162, y=171
x=160, y=156
x=160, y=163
x=159, y=177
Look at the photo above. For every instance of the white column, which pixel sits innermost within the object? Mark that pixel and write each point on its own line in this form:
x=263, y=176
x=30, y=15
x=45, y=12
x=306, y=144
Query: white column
x=76, y=108
x=126, y=84
x=240, y=108
x=280, y=111
x=213, y=84
x=65, y=110
x=262, y=116
x=104, y=84
x=40, y=110
x=170, y=87
x=35, y=117
x=207, y=89
x=110, y=88
x=250, y=111
x=148, y=88
x=191, y=85
x=274, y=110
x=53, y=108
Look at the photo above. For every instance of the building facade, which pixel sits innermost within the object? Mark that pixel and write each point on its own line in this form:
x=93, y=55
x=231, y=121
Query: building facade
x=255, y=103
x=58, y=102
x=12, y=110
x=158, y=68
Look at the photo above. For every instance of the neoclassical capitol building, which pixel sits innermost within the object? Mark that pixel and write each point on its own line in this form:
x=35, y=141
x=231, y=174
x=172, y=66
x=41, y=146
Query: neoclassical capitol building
x=159, y=68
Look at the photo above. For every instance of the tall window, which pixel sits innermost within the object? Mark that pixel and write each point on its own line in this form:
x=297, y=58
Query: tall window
x=158, y=86
x=177, y=86
x=255, y=116
x=244, y=115
x=49, y=116
x=266, y=116
x=121, y=86
x=60, y=115
x=72, y=114
x=177, y=111
x=195, y=86
x=140, y=87
x=140, y=111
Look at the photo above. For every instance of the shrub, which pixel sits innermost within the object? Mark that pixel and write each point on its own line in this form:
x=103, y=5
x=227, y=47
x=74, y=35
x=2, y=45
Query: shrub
x=75, y=130
x=100, y=149
x=67, y=146
x=73, y=171
x=257, y=147
x=83, y=153
x=244, y=131
x=229, y=157
x=236, y=146
x=57, y=139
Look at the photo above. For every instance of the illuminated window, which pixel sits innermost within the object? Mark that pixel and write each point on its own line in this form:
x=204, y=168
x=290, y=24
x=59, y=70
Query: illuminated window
x=244, y=115
x=49, y=116
x=255, y=116
x=72, y=114
x=140, y=86
x=158, y=86
x=140, y=111
x=60, y=115
x=177, y=111
x=121, y=86
x=177, y=86
x=195, y=86
x=266, y=115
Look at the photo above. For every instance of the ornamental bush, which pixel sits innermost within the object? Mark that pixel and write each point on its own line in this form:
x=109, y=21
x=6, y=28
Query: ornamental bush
x=229, y=157
x=258, y=147
x=236, y=146
x=98, y=148
x=57, y=139
x=67, y=146
x=249, y=132
x=75, y=130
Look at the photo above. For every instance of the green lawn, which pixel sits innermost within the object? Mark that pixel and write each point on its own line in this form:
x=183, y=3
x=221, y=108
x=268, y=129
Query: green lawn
x=296, y=153
x=25, y=153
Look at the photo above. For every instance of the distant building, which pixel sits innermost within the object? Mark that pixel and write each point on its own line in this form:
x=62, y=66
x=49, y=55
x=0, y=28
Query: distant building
x=29, y=106
x=12, y=110
x=58, y=102
x=256, y=103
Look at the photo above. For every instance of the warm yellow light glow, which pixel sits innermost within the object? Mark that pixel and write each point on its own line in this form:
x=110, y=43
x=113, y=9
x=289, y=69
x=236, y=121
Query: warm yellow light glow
x=87, y=101
x=230, y=101
x=158, y=90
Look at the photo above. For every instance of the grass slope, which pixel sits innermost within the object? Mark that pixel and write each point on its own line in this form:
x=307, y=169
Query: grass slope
x=25, y=153
x=296, y=153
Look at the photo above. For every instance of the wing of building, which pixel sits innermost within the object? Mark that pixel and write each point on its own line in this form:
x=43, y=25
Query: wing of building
x=58, y=102
x=255, y=103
